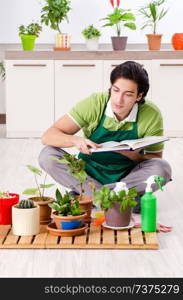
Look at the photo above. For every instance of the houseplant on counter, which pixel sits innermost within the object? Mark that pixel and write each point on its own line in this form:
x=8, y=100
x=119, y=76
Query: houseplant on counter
x=67, y=213
x=76, y=167
x=25, y=218
x=153, y=14
x=53, y=13
x=39, y=197
x=118, y=18
x=117, y=204
x=7, y=200
x=28, y=34
x=91, y=35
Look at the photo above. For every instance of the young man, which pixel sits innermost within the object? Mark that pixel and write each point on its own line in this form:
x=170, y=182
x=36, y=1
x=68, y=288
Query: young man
x=120, y=114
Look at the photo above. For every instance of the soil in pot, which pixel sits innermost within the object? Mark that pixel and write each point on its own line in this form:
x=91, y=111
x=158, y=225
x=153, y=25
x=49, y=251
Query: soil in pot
x=115, y=218
x=45, y=210
x=68, y=222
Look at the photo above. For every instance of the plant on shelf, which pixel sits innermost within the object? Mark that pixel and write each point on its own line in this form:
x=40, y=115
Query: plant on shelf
x=67, y=213
x=153, y=13
x=76, y=168
x=117, y=206
x=53, y=14
x=39, y=196
x=120, y=17
x=91, y=35
x=25, y=218
x=28, y=34
x=2, y=71
x=7, y=200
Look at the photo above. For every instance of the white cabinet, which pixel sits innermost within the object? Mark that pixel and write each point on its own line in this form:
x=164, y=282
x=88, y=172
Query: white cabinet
x=109, y=65
x=29, y=97
x=167, y=80
x=74, y=81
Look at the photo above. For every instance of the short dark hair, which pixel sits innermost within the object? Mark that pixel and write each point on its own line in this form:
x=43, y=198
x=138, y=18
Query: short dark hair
x=133, y=71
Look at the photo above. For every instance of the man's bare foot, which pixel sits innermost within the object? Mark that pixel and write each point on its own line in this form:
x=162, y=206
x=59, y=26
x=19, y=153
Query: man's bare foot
x=136, y=218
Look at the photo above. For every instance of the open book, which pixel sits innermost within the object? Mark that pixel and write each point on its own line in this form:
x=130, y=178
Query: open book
x=130, y=144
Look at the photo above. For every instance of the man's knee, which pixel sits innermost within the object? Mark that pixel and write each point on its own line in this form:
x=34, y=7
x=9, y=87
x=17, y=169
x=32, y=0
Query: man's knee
x=45, y=157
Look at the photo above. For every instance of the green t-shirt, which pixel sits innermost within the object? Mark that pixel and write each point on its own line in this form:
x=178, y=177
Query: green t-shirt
x=88, y=112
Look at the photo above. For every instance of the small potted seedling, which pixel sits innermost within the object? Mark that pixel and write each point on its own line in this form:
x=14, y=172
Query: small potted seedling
x=91, y=35
x=117, y=206
x=76, y=168
x=39, y=197
x=67, y=214
x=25, y=218
x=28, y=34
x=7, y=200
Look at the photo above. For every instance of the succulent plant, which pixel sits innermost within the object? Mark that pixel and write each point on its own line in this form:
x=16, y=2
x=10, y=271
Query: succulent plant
x=26, y=204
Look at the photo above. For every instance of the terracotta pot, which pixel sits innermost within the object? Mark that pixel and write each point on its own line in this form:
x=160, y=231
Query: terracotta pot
x=119, y=42
x=68, y=222
x=59, y=232
x=45, y=210
x=177, y=41
x=154, y=41
x=115, y=218
x=62, y=42
x=86, y=206
x=25, y=220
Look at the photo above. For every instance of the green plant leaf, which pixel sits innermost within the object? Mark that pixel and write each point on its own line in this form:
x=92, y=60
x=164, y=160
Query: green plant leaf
x=58, y=195
x=130, y=26
x=46, y=185
x=32, y=191
x=128, y=17
x=34, y=170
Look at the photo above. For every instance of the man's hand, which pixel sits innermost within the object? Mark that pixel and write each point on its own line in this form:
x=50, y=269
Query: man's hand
x=84, y=145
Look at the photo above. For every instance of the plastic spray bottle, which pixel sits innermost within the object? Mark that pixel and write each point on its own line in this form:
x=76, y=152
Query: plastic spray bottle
x=148, y=204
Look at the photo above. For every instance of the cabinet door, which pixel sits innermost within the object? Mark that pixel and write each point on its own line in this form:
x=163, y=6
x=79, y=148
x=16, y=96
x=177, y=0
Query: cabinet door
x=29, y=97
x=167, y=79
x=109, y=65
x=74, y=81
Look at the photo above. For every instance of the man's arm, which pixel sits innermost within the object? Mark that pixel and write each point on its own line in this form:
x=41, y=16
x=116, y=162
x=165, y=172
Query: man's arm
x=135, y=155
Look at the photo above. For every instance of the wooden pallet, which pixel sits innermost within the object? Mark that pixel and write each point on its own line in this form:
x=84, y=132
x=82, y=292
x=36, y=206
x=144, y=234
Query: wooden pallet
x=96, y=237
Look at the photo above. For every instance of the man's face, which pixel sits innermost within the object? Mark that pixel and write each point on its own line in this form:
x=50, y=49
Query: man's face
x=123, y=97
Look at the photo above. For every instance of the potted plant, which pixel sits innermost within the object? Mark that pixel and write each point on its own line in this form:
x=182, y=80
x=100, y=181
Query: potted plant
x=53, y=13
x=2, y=70
x=153, y=14
x=118, y=18
x=39, y=197
x=76, y=167
x=7, y=200
x=28, y=34
x=91, y=35
x=25, y=218
x=117, y=206
x=67, y=215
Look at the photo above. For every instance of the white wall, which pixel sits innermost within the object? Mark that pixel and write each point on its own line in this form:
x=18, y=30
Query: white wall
x=84, y=12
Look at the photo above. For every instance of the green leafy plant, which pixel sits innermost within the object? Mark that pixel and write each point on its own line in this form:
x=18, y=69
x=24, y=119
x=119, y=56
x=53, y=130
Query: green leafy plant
x=76, y=168
x=54, y=12
x=105, y=197
x=31, y=29
x=2, y=70
x=25, y=204
x=91, y=32
x=65, y=205
x=39, y=191
x=5, y=195
x=120, y=17
x=153, y=14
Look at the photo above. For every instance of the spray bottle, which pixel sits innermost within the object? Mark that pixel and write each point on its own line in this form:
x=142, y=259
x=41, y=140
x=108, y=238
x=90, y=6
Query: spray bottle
x=148, y=204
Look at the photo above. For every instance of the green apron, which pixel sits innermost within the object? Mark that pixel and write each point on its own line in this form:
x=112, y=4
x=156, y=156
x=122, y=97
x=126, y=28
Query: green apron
x=109, y=167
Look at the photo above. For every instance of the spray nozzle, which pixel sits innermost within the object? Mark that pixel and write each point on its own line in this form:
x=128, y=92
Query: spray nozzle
x=159, y=181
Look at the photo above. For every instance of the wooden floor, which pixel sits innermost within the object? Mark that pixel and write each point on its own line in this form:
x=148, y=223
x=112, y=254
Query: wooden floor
x=165, y=262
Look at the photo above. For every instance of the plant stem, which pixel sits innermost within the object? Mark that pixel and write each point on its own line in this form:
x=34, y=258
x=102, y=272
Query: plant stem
x=154, y=31
x=44, y=184
x=37, y=186
x=81, y=193
x=118, y=29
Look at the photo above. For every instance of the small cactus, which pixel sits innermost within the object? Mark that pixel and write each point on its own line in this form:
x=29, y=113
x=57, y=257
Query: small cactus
x=26, y=204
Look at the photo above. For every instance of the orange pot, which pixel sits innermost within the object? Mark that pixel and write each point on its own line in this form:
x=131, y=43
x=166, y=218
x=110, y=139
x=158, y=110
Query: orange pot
x=154, y=41
x=177, y=41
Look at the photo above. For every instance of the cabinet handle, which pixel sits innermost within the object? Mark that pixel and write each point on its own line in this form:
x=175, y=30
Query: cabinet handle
x=29, y=65
x=89, y=65
x=171, y=65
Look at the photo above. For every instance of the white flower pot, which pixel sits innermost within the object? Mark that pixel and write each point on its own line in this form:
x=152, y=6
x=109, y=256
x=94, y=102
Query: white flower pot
x=92, y=44
x=25, y=221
